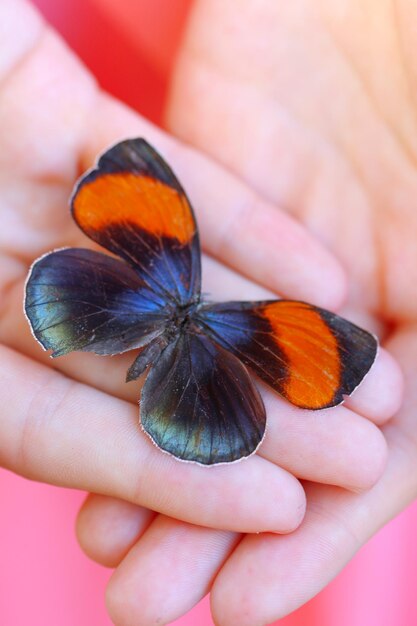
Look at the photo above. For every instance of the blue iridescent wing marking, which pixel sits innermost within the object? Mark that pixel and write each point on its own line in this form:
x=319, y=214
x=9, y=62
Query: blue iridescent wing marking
x=78, y=299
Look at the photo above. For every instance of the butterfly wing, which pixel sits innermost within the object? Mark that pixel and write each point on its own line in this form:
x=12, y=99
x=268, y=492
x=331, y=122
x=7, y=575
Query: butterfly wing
x=79, y=299
x=309, y=355
x=199, y=403
x=132, y=204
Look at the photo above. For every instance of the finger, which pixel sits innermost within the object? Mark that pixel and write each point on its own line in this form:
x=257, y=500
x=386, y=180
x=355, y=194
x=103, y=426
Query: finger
x=167, y=572
x=334, y=446
x=62, y=432
x=336, y=525
x=108, y=527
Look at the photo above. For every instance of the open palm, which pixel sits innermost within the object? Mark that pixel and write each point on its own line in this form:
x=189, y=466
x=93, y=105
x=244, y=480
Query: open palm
x=74, y=422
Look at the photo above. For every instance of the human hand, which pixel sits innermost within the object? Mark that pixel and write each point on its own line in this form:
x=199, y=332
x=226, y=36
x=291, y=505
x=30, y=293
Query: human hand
x=308, y=117
x=75, y=423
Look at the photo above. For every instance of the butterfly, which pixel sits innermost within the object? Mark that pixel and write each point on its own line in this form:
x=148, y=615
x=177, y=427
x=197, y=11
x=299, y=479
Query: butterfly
x=198, y=402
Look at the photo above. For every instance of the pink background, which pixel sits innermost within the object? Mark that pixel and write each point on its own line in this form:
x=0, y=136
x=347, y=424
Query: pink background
x=45, y=580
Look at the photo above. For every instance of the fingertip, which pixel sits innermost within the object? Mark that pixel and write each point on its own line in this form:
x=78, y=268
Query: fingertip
x=106, y=528
x=371, y=458
x=252, y=495
x=379, y=396
x=286, y=503
x=232, y=600
x=121, y=604
x=297, y=510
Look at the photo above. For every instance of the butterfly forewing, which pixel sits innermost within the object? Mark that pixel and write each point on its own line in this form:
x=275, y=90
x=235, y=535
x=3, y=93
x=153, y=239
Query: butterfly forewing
x=309, y=355
x=133, y=205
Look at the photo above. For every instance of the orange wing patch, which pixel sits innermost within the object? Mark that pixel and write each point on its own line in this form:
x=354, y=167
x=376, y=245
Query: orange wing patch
x=314, y=367
x=126, y=198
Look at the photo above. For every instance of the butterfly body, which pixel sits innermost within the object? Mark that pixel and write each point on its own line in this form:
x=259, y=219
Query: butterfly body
x=198, y=402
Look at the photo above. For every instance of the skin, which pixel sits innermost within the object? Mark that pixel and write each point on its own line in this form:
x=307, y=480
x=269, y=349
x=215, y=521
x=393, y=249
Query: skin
x=75, y=423
x=313, y=105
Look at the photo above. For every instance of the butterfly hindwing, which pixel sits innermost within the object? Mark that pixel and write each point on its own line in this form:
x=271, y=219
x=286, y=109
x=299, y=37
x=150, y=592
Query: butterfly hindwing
x=309, y=355
x=133, y=205
x=199, y=403
x=78, y=299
